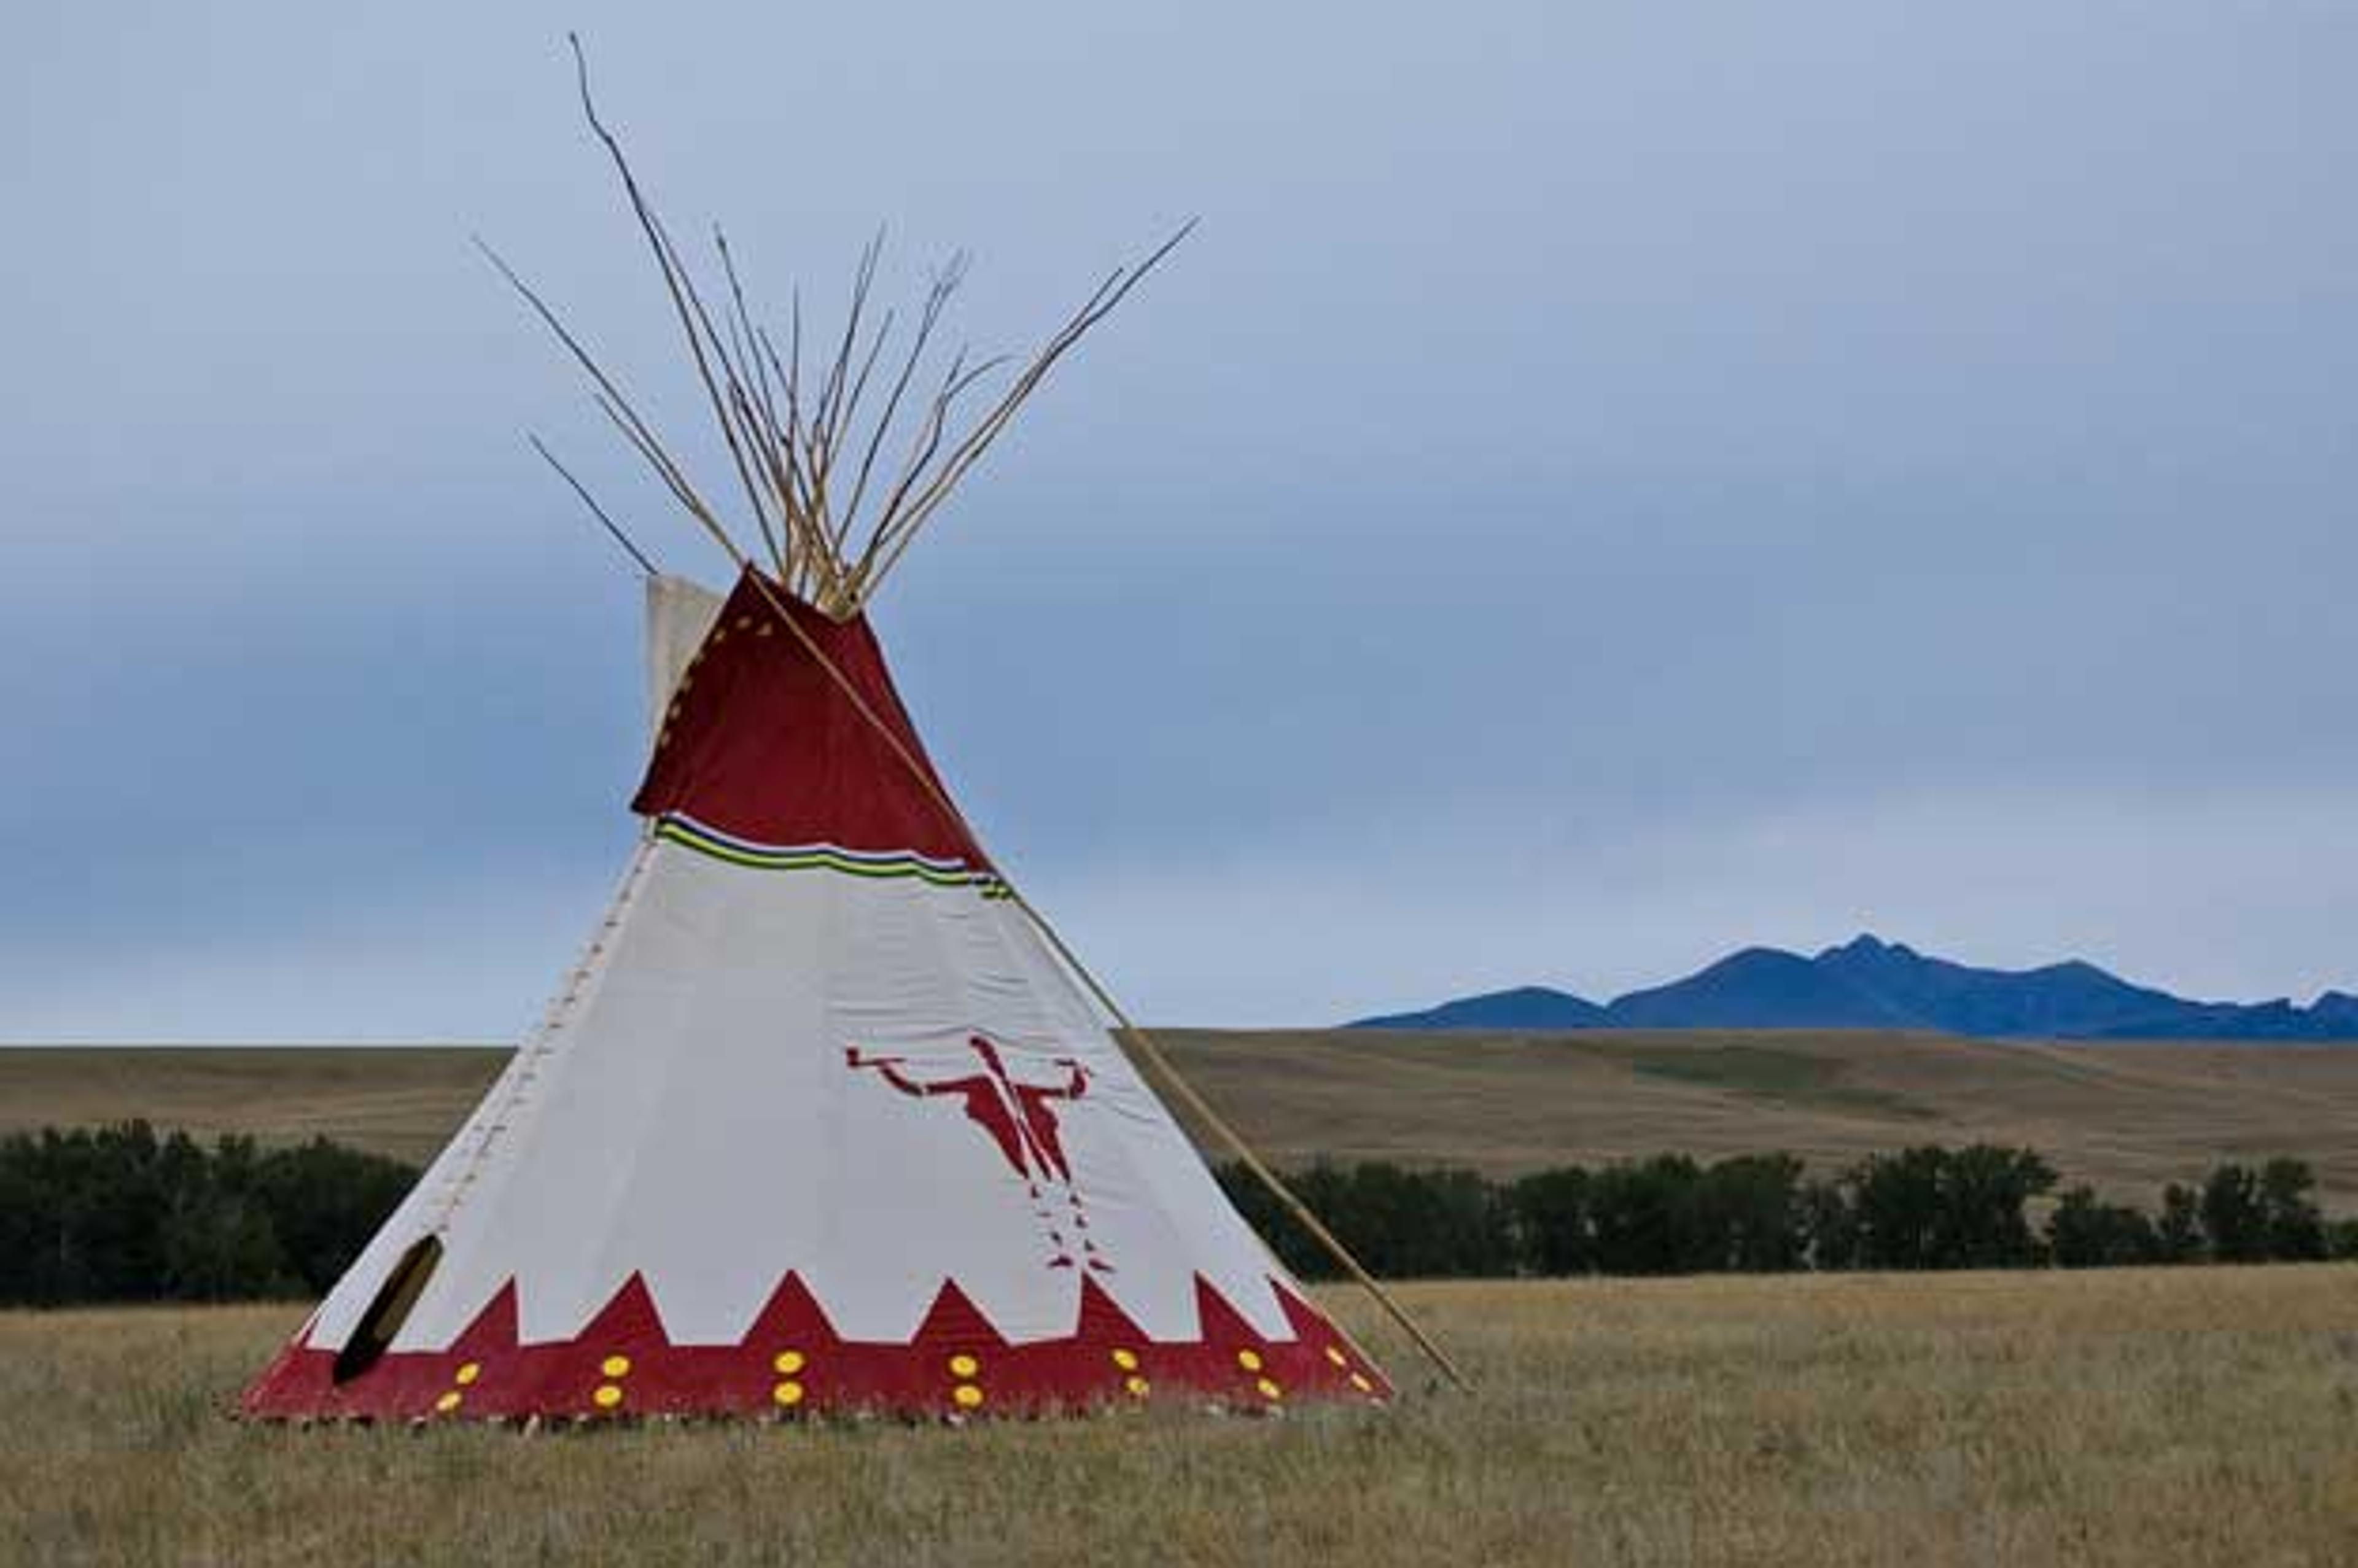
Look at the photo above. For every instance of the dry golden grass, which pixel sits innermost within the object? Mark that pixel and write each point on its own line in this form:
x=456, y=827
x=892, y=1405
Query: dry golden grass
x=404, y=1102
x=2125, y=1117
x=2135, y=1418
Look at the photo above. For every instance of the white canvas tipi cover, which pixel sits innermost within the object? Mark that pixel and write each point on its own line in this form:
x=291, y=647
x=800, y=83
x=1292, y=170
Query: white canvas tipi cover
x=680, y=614
x=819, y=1122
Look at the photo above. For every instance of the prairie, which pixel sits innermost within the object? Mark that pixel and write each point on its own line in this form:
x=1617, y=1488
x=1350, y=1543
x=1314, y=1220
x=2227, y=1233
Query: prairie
x=2125, y=1117
x=2132, y=1418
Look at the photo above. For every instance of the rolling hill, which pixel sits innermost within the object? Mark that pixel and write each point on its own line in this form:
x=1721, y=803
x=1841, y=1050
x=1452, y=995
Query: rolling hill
x=2126, y=1118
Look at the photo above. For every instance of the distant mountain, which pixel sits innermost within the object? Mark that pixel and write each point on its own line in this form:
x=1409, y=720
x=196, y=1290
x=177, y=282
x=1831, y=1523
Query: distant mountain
x=1868, y=983
x=1760, y=987
x=1525, y=1006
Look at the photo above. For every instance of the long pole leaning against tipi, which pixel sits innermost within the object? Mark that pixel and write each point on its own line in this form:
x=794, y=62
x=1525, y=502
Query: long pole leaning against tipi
x=785, y=436
x=1132, y=1033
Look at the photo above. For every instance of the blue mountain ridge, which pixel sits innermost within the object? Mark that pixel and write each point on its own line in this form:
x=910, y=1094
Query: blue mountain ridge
x=1868, y=983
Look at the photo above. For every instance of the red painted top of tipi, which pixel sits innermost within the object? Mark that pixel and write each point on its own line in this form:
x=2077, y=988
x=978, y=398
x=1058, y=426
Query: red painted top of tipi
x=762, y=744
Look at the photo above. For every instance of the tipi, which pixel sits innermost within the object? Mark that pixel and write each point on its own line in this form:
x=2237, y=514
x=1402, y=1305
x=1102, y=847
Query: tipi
x=823, y=1120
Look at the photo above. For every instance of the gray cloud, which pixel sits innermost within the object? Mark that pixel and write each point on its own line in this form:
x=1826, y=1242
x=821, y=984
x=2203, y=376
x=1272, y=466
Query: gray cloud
x=1602, y=486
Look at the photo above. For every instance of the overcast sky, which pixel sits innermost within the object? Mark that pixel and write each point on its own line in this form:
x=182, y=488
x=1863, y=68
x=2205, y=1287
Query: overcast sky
x=1605, y=484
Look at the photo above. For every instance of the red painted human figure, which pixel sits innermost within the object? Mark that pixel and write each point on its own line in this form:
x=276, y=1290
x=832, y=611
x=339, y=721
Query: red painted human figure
x=1019, y=1117
x=1016, y=1116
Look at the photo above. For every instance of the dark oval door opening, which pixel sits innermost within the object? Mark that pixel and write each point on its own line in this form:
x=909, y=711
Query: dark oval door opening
x=390, y=1310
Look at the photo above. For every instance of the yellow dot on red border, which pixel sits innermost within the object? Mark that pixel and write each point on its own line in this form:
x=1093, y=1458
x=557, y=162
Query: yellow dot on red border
x=966, y=1395
x=450, y=1401
x=964, y=1366
x=1359, y=1382
x=1126, y=1359
x=615, y=1365
x=1250, y=1360
x=1337, y=1356
x=789, y=1362
x=467, y=1374
x=1138, y=1387
x=1270, y=1390
x=608, y=1396
x=787, y=1393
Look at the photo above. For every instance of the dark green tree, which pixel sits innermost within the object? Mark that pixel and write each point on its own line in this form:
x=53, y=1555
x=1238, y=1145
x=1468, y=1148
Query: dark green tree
x=2341, y=1241
x=2086, y=1233
x=324, y=1202
x=1940, y=1209
x=1315, y=1185
x=2178, y=1234
x=1985, y=1192
x=1551, y=1222
x=1895, y=1203
x=1748, y=1214
x=2296, y=1227
x=2236, y=1216
x=1829, y=1225
x=1401, y=1223
x=1645, y=1217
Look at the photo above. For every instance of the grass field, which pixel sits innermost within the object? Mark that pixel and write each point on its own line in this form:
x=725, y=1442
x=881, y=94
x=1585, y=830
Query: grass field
x=2126, y=1118
x=2133, y=1418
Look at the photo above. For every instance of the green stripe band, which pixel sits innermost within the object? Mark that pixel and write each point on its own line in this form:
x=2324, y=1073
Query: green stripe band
x=820, y=859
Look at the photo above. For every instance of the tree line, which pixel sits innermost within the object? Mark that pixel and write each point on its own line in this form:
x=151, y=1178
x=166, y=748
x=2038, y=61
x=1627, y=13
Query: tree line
x=119, y=1213
x=122, y=1214
x=1983, y=1207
